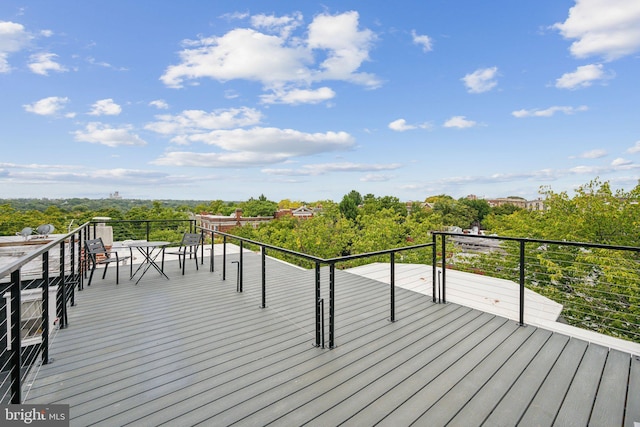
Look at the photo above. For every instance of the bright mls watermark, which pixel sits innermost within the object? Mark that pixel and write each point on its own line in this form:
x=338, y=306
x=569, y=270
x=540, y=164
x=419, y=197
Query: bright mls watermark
x=34, y=415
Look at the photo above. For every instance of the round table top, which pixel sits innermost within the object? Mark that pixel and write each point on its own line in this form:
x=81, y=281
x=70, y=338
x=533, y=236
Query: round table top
x=145, y=244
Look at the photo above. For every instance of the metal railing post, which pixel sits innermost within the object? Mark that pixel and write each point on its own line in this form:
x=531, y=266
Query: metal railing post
x=45, y=308
x=224, y=257
x=332, y=307
x=241, y=266
x=264, y=276
x=16, y=348
x=392, y=287
x=148, y=223
x=434, y=264
x=213, y=238
x=522, y=268
x=63, y=290
x=317, y=301
x=444, y=268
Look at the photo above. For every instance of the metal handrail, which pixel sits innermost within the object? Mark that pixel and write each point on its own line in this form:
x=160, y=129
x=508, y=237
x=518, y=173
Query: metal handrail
x=318, y=261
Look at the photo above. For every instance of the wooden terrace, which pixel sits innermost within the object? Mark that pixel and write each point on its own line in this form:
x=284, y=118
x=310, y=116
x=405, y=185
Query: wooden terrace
x=193, y=351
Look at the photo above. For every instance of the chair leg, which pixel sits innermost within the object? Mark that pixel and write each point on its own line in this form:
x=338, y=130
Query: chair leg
x=117, y=273
x=196, y=260
x=104, y=274
x=91, y=275
x=184, y=261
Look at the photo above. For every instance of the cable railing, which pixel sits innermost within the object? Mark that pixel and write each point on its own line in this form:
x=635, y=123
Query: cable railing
x=597, y=285
x=37, y=287
x=317, y=263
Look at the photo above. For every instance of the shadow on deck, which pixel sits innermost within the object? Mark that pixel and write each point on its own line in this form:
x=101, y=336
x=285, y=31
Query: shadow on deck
x=192, y=350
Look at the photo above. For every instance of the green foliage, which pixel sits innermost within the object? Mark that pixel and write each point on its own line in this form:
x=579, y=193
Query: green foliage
x=258, y=207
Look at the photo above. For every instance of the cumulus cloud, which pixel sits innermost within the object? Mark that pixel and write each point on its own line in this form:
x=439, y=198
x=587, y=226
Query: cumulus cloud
x=105, y=107
x=99, y=133
x=160, y=104
x=481, y=80
x=281, y=25
x=635, y=148
x=584, y=76
x=298, y=96
x=459, y=122
x=548, y=112
x=47, y=106
x=401, y=125
x=256, y=146
x=422, y=40
x=606, y=28
x=13, y=38
x=197, y=121
x=43, y=62
x=280, y=60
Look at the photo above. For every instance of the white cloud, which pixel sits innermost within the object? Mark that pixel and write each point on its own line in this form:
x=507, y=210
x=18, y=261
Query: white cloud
x=256, y=146
x=99, y=133
x=160, y=104
x=635, y=148
x=606, y=28
x=282, y=25
x=325, y=168
x=422, y=40
x=298, y=96
x=280, y=60
x=13, y=38
x=621, y=163
x=481, y=80
x=374, y=177
x=47, y=106
x=459, y=122
x=593, y=154
x=400, y=125
x=105, y=107
x=548, y=112
x=198, y=121
x=42, y=63
x=584, y=76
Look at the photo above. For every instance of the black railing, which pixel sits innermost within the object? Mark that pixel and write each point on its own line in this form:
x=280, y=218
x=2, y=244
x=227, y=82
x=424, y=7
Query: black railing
x=598, y=285
x=37, y=286
x=161, y=229
x=317, y=262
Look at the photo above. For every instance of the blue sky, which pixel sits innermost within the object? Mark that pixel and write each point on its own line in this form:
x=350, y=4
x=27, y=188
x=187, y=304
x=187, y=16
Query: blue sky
x=308, y=101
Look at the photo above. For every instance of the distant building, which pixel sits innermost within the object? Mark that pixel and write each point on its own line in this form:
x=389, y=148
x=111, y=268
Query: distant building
x=115, y=195
x=535, y=205
x=518, y=202
x=226, y=223
x=303, y=212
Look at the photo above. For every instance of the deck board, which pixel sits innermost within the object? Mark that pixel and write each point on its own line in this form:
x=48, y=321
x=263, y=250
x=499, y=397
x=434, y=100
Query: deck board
x=193, y=351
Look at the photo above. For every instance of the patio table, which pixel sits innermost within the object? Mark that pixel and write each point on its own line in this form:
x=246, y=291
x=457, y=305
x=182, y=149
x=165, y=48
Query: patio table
x=149, y=251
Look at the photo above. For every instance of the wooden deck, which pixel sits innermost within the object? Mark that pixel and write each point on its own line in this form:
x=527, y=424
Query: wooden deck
x=193, y=351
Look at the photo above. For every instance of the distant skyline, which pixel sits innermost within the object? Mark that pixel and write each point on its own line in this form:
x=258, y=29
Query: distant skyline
x=307, y=101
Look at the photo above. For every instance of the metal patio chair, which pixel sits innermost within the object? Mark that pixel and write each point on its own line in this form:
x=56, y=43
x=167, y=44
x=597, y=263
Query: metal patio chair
x=188, y=246
x=98, y=254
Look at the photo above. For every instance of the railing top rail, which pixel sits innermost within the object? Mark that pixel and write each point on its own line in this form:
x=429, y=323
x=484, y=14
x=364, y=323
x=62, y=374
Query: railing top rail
x=318, y=259
x=103, y=221
x=25, y=259
x=543, y=241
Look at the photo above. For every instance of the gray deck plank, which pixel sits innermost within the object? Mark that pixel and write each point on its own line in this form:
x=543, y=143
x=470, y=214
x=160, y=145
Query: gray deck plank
x=515, y=402
x=543, y=408
x=578, y=402
x=608, y=408
x=191, y=350
x=632, y=414
x=457, y=396
x=489, y=394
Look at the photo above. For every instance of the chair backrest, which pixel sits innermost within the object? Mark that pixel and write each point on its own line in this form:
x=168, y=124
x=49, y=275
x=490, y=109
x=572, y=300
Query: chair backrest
x=95, y=247
x=191, y=239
